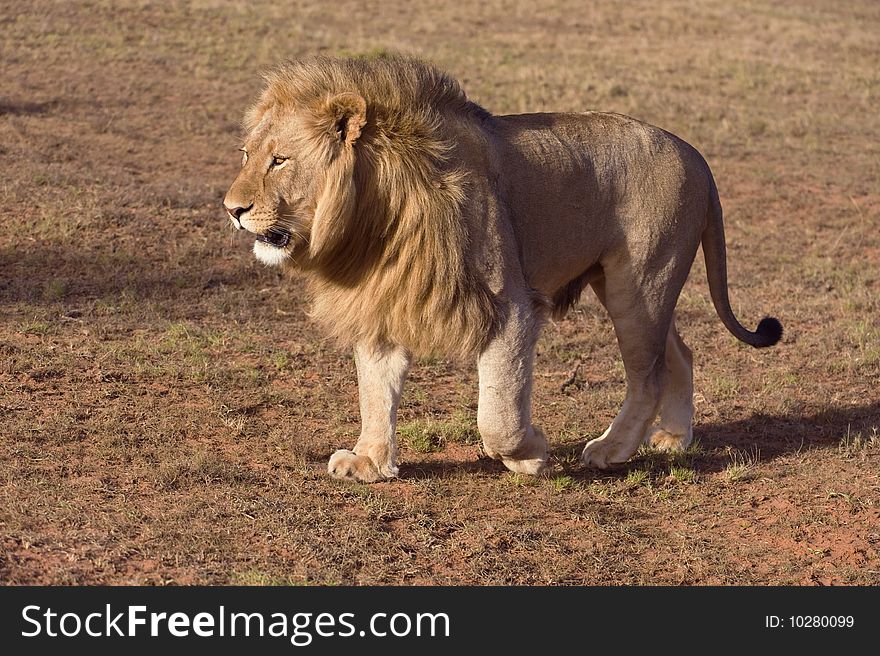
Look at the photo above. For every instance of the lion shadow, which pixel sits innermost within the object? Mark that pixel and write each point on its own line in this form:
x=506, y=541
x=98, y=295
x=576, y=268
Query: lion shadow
x=72, y=278
x=443, y=468
x=759, y=438
x=28, y=108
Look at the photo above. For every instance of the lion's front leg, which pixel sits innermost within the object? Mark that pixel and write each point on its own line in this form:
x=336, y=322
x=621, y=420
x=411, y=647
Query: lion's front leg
x=381, y=374
x=504, y=415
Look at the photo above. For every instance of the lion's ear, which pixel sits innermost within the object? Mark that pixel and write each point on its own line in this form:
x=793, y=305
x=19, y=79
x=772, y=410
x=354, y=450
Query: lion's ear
x=348, y=113
x=343, y=116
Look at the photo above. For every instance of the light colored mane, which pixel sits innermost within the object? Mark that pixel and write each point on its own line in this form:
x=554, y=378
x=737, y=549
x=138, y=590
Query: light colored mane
x=397, y=266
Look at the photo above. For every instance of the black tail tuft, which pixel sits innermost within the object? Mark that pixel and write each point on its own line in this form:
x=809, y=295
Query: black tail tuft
x=769, y=332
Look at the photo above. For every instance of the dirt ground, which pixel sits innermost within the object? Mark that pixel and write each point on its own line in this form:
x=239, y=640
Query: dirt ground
x=167, y=407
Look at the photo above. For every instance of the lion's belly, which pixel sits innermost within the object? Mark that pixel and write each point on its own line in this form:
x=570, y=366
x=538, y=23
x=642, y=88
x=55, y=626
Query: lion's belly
x=553, y=255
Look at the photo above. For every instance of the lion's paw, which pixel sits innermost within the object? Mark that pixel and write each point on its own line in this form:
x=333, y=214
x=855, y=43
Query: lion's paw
x=530, y=456
x=666, y=441
x=347, y=465
x=530, y=467
x=602, y=452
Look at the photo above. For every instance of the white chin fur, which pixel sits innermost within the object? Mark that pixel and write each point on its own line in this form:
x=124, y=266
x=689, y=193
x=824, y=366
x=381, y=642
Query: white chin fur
x=268, y=254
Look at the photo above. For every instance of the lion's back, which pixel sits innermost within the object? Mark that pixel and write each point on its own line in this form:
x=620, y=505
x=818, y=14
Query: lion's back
x=579, y=185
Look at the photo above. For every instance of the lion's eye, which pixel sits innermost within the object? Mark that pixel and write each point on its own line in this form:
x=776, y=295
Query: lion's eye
x=278, y=161
x=244, y=156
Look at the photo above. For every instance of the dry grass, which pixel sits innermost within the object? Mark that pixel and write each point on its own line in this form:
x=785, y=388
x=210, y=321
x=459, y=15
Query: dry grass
x=167, y=408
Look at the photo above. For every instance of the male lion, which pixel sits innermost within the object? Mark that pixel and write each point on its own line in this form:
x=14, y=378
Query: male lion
x=426, y=224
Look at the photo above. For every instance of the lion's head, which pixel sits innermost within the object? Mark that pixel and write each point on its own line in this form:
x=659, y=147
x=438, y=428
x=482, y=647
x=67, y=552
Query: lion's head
x=297, y=174
x=347, y=174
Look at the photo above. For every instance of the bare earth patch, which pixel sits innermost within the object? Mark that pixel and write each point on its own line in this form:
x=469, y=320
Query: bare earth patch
x=167, y=408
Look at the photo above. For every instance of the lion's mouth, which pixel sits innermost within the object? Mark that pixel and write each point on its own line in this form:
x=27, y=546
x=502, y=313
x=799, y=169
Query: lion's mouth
x=275, y=237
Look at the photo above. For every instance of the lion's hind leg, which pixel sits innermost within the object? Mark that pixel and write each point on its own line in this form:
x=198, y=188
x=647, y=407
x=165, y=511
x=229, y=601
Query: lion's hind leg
x=674, y=430
x=641, y=333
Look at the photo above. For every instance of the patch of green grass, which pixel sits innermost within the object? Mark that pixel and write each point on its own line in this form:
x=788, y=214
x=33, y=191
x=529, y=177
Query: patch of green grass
x=178, y=332
x=855, y=443
x=863, y=335
x=637, y=478
x=381, y=508
x=521, y=480
x=854, y=502
x=258, y=578
x=428, y=436
x=218, y=339
x=54, y=289
x=204, y=468
x=37, y=327
x=281, y=360
x=187, y=346
x=417, y=396
x=561, y=484
x=724, y=388
x=742, y=465
x=462, y=428
x=571, y=459
x=686, y=457
x=682, y=474
x=419, y=436
x=655, y=464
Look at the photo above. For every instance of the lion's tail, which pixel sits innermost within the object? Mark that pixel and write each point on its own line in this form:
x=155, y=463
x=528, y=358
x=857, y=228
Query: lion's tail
x=769, y=329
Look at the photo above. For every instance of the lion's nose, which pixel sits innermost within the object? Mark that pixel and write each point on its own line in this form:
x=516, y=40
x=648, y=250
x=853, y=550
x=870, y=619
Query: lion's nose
x=236, y=212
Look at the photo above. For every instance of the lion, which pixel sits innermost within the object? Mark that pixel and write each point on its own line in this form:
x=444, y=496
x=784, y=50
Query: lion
x=427, y=225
